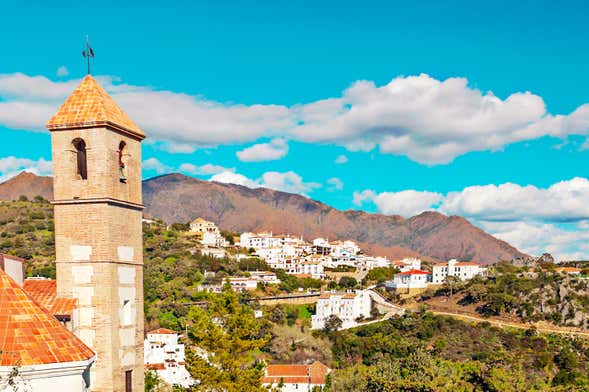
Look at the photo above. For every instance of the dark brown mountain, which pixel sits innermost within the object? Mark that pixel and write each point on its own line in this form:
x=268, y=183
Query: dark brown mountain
x=177, y=198
x=27, y=184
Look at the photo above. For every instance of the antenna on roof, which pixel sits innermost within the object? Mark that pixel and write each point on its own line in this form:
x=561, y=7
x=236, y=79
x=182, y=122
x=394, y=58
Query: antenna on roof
x=88, y=53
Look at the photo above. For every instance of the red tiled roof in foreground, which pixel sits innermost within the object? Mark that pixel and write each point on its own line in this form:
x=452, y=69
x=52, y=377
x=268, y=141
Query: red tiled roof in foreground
x=414, y=272
x=31, y=336
x=162, y=331
x=44, y=292
x=90, y=106
x=296, y=374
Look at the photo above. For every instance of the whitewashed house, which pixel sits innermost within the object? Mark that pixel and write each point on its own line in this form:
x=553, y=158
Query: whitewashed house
x=461, y=270
x=265, y=277
x=295, y=378
x=259, y=240
x=240, y=283
x=408, y=264
x=408, y=280
x=209, y=233
x=279, y=256
x=346, y=306
x=164, y=355
x=312, y=268
x=367, y=263
x=344, y=248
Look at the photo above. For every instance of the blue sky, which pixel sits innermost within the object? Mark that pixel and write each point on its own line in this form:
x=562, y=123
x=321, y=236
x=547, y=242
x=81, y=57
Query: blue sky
x=468, y=108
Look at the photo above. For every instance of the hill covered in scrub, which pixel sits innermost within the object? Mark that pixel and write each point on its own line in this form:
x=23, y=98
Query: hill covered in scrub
x=26, y=231
x=425, y=352
x=524, y=294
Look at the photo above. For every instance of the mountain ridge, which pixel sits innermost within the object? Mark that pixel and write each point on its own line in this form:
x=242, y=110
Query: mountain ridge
x=175, y=197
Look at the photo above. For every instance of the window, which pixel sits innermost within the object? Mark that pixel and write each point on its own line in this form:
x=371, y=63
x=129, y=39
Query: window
x=122, y=176
x=129, y=381
x=81, y=161
x=127, y=313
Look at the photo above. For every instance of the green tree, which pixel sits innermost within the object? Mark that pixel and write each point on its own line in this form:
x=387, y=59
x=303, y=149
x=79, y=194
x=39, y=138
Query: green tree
x=228, y=340
x=347, y=282
x=451, y=283
x=332, y=324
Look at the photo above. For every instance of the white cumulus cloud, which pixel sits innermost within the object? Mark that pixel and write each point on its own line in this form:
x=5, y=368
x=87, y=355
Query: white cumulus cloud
x=405, y=203
x=11, y=166
x=560, y=202
x=535, y=220
x=335, y=184
x=341, y=159
x=275, y=149
x=428, y=120
x=206, y=169
x=288, y=182
x=156, y=165
x=282, y=181
x=229, y=177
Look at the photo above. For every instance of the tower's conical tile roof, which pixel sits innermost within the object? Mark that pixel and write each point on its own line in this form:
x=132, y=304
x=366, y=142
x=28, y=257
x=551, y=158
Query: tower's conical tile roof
x=90, y=106
x=31, y=336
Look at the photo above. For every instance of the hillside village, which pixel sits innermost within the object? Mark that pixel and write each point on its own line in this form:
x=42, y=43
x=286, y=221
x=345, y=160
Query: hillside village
x=352, y=305
x=317, y=258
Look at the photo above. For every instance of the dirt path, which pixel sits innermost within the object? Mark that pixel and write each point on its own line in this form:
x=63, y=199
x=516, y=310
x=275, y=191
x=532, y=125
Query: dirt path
x=504, y=324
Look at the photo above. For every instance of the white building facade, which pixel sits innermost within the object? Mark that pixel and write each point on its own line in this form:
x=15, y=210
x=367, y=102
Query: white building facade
x=209, y=232
x=407, y=280
x=164, y=355
x=461, y=270
x=348, y=307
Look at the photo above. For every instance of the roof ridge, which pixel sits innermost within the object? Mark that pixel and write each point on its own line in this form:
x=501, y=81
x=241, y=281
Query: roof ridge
x=89, y=105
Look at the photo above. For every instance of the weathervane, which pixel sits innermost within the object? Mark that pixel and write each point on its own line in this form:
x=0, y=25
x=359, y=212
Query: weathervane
x=88, y=53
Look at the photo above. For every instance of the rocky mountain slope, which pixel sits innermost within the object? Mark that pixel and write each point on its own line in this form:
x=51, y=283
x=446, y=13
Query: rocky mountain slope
x=27, y=184
x=178, y=198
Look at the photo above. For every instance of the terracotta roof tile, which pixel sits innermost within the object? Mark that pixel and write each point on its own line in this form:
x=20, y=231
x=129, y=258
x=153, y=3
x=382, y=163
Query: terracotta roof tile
x=31, y=336
x=162, y=331
x=90, y=106
x=44, y=292
x=414, y=272
x=286, y=370
x=63, y=306
x=290, y=374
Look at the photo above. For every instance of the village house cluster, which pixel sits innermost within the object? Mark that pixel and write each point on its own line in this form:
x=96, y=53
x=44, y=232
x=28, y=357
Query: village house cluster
x=300, y=258
x=165, y=356
x=240, y=283
x=414, y=279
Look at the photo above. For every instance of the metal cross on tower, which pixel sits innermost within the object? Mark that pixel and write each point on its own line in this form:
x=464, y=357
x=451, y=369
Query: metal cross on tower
x=88, y=53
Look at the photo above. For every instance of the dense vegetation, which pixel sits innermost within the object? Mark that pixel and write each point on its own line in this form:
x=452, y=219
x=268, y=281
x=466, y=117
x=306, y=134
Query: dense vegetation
x=26, y=231
x=228, y=345
x=423, y=352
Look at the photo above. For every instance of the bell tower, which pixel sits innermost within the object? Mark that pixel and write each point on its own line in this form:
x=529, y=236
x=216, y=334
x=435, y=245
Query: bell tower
x=97, y=202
